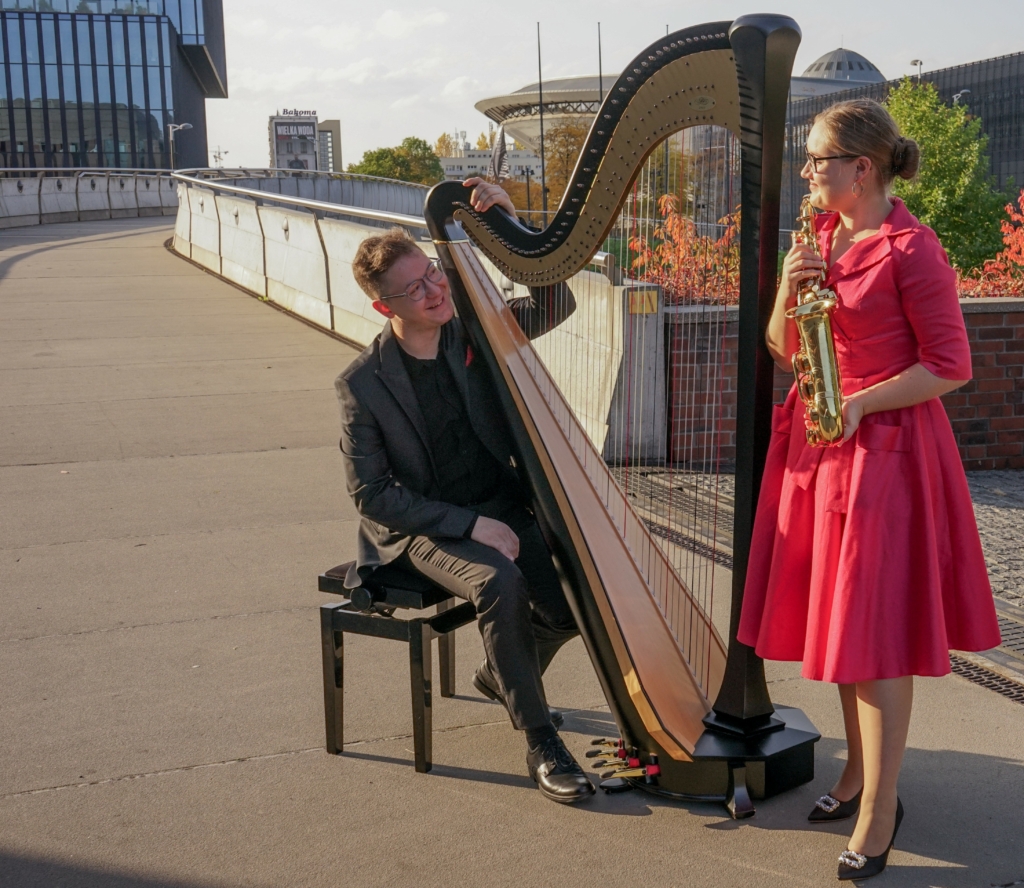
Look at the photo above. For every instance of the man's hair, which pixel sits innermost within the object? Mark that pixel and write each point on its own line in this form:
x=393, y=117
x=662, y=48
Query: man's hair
x=376, y=255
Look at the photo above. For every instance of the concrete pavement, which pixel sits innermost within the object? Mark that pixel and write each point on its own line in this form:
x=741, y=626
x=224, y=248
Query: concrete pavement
x=170, y=487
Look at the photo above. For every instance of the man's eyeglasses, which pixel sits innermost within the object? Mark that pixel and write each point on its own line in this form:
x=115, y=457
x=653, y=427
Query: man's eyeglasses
x=418, y=289
x=814, y=161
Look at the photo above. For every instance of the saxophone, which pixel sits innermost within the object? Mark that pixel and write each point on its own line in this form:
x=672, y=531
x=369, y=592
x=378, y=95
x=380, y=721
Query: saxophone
x=814, y=364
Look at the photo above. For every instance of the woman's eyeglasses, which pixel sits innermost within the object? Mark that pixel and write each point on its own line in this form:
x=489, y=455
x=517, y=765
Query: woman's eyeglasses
x=814, y=161
x=418, y=289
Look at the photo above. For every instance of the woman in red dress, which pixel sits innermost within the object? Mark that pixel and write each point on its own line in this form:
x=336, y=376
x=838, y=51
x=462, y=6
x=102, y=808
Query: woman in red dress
x=866, y=562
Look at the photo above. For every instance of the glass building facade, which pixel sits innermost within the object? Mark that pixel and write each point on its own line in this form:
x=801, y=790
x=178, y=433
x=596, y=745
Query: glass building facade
x=97, y=82
x=992, y=90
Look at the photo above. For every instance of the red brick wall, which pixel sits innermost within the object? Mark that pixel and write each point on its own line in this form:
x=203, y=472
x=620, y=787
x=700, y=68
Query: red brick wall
x=987, y=414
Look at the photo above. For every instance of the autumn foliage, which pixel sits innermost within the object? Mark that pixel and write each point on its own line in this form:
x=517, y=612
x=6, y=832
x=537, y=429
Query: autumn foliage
x=690, y=267
x=1003, y=275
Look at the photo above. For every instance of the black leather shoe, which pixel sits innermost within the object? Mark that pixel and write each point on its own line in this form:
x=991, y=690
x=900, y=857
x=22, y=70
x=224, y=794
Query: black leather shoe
x=828, y=809
x=483, y=681
x=859, y=866
x=558, y=775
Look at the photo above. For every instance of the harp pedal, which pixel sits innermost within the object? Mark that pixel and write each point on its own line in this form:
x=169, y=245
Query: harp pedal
x=616, y=784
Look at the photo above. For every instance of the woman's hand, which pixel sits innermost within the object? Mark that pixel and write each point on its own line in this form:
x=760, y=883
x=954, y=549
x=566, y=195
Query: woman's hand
x=801, y=262
x=487, y=194
x=853, y=413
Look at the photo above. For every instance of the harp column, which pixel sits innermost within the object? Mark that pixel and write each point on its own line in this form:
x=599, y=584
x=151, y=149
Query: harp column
x=744, y=727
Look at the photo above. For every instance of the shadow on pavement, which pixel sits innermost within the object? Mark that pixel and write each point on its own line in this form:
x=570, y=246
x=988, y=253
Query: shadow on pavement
x=35, y=872
x=960, y=811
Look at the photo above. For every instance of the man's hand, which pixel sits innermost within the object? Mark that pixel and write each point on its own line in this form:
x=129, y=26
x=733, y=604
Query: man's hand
x=496, y=535
x=486, y=195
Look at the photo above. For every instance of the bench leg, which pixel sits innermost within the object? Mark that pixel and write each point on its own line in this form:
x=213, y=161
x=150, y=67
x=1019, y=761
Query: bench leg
x=333, y=649
x=446, y=653
x=420, y=675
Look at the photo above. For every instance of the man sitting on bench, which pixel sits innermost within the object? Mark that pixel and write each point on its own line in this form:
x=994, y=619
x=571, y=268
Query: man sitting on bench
x=429, y=463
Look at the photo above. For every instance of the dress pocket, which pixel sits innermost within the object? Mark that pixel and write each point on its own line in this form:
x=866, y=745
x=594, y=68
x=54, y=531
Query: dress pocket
x=876, y=435
x=782, y=420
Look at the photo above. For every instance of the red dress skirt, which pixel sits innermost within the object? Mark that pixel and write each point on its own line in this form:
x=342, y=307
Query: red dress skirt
x=865, y=561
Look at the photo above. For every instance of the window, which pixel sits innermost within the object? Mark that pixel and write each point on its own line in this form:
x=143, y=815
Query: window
x=14, y=41
x=120, y=86
x=153, y=76
x=31, y=41
x=52, y=88
x=152, y=45
x=99, y=27
x=117, y=42
x=49, y=40
x=70, y=90
x=84, y=49
x=103, y=84
x=138, y=89
x=134, y=42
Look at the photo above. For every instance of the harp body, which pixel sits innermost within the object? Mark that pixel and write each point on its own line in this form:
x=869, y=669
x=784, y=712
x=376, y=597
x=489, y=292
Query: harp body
x=692, y=708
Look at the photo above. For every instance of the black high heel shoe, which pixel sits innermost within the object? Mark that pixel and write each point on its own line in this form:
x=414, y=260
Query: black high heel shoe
x=859, y=866
x=828, y=809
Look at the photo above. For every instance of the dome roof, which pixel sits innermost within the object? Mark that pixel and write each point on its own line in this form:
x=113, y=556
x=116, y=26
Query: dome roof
x=844, y=64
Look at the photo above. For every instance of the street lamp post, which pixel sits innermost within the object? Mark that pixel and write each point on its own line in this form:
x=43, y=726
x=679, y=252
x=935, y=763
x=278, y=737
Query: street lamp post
x=918, y=63
x=172, y=128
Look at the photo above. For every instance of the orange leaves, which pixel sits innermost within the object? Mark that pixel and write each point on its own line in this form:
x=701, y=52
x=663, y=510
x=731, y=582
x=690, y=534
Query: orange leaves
x=1003, y=275
x=692, y=267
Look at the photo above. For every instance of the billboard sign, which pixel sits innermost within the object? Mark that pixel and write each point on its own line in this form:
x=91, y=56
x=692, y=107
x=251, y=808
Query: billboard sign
x=293, y=143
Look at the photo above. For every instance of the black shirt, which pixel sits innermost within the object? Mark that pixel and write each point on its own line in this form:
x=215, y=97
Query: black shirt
x=467, y=473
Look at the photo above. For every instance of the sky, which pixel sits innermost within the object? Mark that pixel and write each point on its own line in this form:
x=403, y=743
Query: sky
x=395, y=68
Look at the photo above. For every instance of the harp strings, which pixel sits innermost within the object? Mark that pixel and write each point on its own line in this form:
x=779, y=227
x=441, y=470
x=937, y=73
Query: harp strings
x=643, y=370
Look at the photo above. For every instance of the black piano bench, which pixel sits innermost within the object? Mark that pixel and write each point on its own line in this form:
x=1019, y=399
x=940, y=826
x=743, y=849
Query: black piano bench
x=369, y=610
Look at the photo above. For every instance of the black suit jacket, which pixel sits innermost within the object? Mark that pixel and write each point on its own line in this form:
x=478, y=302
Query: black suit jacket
x=389, y=469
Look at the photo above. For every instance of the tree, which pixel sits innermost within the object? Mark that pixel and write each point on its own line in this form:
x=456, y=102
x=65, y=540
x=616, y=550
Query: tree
x=446, y=145
x=412, y=161
x=954, y=192
x=562, y=146
x=1003, y=275
x=691, y=268
x=485, y=142
x=425, y=166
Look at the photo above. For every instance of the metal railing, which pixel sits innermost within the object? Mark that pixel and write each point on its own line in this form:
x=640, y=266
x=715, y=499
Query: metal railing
x=261, y=197
x=48, y=188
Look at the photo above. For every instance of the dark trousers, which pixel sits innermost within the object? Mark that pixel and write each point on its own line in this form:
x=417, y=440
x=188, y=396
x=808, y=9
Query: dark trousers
x=521, y=609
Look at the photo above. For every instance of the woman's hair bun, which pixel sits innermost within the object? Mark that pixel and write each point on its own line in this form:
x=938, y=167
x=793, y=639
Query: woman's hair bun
x=906, y=158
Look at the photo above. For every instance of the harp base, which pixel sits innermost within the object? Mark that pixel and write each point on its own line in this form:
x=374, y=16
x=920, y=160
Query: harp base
x=735, y=770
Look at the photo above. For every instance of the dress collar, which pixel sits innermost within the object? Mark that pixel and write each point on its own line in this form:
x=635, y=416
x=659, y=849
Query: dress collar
x=869, y=251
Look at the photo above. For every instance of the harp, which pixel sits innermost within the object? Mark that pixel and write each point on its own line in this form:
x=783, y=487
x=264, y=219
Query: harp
x=690, y=702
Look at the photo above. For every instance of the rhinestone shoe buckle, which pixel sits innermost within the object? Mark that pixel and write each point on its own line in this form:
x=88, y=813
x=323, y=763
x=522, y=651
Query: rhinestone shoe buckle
x=827, y=804
x=852, y=859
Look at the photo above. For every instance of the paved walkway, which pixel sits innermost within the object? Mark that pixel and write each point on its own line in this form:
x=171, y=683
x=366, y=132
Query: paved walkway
x=170, y=486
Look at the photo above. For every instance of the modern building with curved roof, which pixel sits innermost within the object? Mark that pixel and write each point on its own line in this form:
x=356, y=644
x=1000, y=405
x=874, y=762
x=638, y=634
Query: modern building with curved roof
x=836, y=70
x=565, y=98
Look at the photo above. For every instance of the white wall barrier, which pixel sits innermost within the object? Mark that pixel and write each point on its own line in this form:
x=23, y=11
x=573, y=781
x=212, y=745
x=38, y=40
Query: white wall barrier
x=57, y=199
x=204, y=228
x=85, y=196
x=296, y=264
x=241, y=243
x=121, y=191
x=147, y=195
x=182, y=222
x=19, y=202
x=93, y=199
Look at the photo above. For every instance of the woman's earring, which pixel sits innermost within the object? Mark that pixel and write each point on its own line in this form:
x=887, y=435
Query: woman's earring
x=857, y=193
